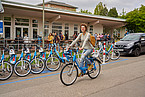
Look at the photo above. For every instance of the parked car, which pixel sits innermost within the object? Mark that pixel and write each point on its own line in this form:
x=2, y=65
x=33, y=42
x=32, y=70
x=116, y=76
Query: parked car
x=133, y=43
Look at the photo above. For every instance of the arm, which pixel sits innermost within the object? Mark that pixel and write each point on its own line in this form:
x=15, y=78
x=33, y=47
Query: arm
x=76, y=40
x=87, y=39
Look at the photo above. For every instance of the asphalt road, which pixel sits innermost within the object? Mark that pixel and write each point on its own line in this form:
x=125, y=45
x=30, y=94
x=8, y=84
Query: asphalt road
x=121, y=78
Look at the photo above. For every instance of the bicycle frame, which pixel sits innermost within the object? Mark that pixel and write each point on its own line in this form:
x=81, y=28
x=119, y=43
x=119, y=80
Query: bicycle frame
x=86, y=65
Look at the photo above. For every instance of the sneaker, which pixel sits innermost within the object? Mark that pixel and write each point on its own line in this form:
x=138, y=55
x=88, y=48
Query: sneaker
x=90, y=67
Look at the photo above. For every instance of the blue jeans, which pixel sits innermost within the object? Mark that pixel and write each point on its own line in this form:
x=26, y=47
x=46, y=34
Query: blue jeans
x=50, y=46
x=84, y=57
x=57, y=44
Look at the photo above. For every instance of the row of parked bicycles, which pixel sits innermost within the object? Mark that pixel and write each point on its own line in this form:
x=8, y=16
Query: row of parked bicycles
x=28, y=63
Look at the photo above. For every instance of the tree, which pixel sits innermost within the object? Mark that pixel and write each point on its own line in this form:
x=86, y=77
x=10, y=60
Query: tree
x=113, y=12
x=104, y=12
x=122, y=15
x=98, y=9
x=85, y=11
x=136, y=19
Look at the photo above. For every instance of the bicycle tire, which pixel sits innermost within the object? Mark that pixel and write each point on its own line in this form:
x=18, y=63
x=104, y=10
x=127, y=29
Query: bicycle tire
x=9, y=69
x=16, y=68
x=107, y=58
x=49, y=64
x=92, y=71
x=37, y=68
x=117, y=53
x=63, y=73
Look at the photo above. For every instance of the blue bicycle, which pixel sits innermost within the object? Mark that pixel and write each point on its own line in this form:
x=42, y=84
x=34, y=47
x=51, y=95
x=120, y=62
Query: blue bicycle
x=52, y=63
x=69, y=72
x=6, y=69
x=22, y=67
x=37, y=64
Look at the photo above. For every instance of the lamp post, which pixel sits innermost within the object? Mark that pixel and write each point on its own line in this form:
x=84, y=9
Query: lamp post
x=43, y=27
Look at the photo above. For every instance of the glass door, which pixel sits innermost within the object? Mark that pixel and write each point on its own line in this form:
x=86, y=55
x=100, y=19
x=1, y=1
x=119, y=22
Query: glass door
x=25, y=32
x=21, y=31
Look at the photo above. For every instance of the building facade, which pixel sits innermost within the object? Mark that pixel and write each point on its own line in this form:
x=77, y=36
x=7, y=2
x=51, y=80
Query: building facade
x=20, y=19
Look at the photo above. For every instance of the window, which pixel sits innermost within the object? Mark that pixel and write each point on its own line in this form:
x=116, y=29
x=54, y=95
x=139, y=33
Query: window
x=7, y=27
x=34, y=33
x=56, y=27
x=75, y=28
x=7, y=32
x=35, y=28
x=46, y=29
x=66, y=31
x=7, y=21
x=143, y=37
x=21, y=22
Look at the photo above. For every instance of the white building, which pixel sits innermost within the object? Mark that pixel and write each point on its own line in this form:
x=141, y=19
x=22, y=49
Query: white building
x=20, y=19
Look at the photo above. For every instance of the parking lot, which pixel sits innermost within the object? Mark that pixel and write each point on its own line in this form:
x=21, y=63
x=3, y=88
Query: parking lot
x=121, y=78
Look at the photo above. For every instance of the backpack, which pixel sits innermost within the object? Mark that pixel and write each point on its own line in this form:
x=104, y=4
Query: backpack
x=92, y=40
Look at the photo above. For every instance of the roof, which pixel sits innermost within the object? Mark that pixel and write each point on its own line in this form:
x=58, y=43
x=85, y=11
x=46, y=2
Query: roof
x=60, y=11
x=58, y=3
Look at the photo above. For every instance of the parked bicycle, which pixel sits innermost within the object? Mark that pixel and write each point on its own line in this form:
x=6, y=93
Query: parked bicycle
x=52, y=63
x=37, y=64
x=69, y=72
x=6, y=69
x=112, y=53
x=22, y=67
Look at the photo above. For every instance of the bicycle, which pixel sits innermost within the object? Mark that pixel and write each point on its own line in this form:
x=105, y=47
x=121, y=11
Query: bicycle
x=22, y=67
x=99, y=53
x=52, y=63
x=6, y=69
x=37, y=64
x=113, y=54
x=69, y=72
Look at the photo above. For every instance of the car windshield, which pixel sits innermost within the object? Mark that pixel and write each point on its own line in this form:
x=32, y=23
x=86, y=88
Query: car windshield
x=131, y=37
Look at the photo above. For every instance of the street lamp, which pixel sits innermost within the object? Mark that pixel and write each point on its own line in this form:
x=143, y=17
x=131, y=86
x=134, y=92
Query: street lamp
x=43, y=27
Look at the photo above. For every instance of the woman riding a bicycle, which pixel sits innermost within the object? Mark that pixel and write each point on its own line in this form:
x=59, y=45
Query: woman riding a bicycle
x=86, y=47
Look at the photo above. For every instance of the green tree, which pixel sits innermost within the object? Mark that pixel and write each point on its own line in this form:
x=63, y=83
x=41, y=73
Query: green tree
x=104, y=12
x=136, y=20
x=85, y=11
x=98, y=9
x=113, y=12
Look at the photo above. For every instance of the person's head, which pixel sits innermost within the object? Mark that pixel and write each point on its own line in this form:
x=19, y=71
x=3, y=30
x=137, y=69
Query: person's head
x=50, y=34
x=83, y=27
x=126, y=31
x=25, y=34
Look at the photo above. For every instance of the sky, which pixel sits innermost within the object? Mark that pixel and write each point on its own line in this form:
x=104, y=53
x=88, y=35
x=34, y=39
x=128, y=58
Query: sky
x=90, y=5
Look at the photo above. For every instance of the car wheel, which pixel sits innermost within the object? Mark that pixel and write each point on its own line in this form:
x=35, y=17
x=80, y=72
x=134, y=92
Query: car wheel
x=136, y=52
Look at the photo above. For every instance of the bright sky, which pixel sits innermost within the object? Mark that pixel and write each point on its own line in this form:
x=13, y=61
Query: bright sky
x=90, y=5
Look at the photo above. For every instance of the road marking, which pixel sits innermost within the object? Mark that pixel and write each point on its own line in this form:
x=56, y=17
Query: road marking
x=47, y=71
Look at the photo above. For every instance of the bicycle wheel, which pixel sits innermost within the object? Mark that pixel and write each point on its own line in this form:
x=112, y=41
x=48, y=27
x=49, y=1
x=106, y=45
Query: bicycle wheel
x=115, y=55
x=95, y=71
x=6, y=71
x=68, y=74
x=52, y=63
x=107, y=56
x=22, y=68
x=37, y=65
